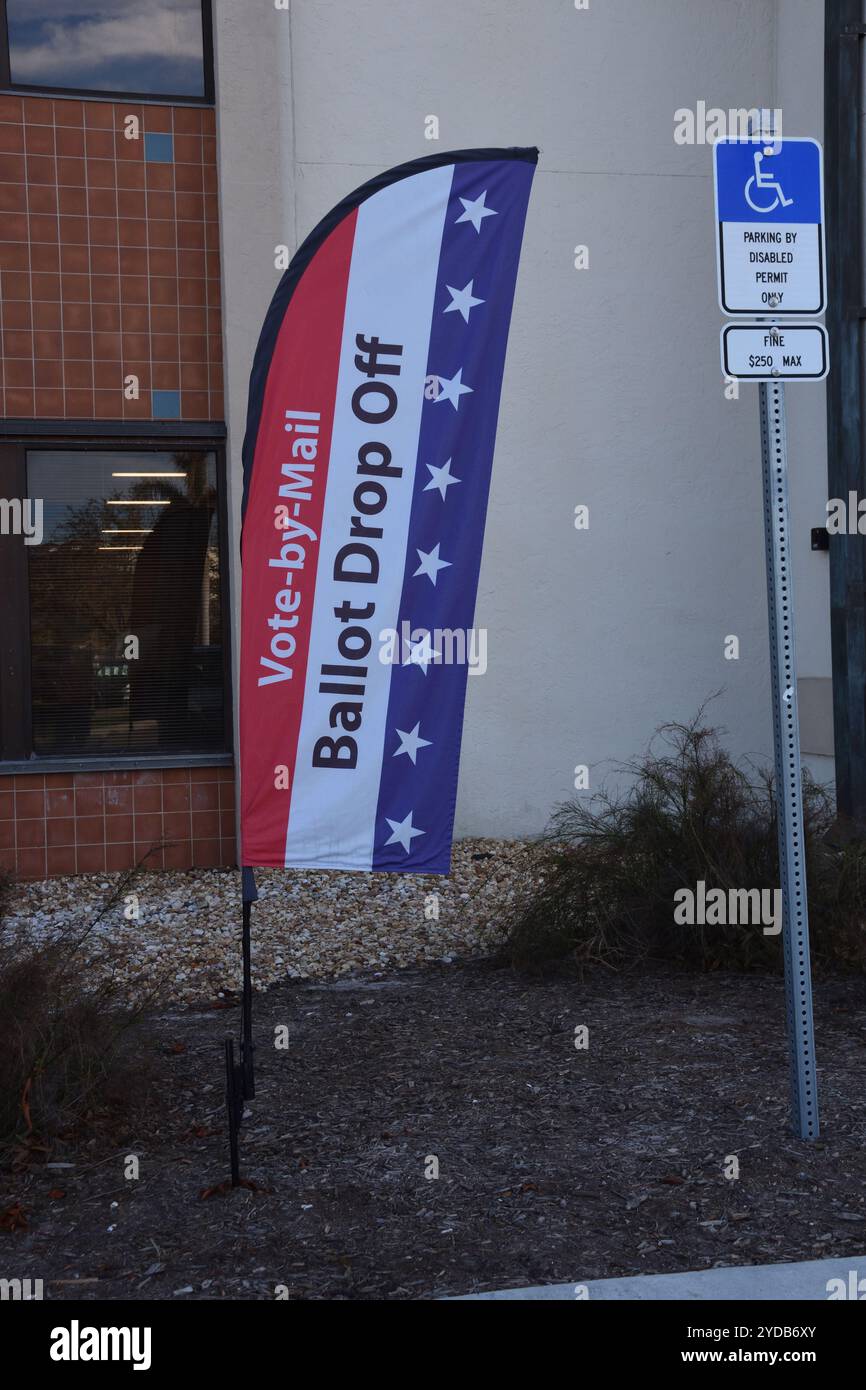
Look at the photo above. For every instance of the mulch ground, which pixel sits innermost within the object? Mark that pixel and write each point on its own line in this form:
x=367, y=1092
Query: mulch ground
x=554, y=1164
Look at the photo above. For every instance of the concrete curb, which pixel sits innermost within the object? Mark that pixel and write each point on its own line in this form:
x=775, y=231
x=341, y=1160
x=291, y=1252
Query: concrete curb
x=806, y=1281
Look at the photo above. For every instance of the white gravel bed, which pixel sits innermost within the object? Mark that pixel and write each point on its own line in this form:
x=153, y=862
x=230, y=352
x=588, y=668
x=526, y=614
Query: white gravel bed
x=184, y=943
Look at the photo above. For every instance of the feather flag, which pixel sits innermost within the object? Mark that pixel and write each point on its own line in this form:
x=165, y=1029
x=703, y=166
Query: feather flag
x=372, y=418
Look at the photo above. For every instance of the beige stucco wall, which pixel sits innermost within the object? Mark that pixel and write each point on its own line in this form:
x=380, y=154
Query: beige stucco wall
x=613, y=395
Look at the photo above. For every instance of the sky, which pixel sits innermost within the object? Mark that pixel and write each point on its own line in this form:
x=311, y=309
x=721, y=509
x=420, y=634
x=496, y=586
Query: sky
x=150, y=46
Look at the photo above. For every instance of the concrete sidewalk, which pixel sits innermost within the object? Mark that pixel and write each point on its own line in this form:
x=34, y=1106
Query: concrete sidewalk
x=808, y=1281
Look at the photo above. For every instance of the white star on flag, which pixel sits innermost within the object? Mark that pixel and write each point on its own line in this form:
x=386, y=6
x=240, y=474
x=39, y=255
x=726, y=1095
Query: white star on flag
x=403, y=832
x=431, y=564
x=421, y=654
x=462, y=301
x=452, y=388
x=440, y=479
x=475, y=212
x=410, y=743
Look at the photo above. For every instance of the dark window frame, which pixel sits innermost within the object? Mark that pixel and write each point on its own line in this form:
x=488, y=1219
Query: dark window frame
x=106, y=94
x=16, y=733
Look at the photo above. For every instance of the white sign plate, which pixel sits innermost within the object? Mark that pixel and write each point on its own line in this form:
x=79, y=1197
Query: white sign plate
x=770, y=214
x=775, y=352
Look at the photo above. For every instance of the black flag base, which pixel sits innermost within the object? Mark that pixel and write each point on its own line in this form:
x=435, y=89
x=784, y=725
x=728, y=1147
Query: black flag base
x=240, y=1076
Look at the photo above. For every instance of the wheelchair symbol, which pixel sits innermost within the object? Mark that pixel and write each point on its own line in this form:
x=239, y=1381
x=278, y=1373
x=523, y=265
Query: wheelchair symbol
x=764, y=182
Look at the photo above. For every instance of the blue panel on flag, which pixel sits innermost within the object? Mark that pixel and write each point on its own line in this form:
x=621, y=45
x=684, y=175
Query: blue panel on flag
x=477, y=270
x=782, y=186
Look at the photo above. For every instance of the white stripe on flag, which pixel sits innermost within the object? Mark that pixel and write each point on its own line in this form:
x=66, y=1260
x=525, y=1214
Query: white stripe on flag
x=392, y=285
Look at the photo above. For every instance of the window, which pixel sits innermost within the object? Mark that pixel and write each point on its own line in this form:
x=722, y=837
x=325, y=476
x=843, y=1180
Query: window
x=159, y=48
x=118, y=637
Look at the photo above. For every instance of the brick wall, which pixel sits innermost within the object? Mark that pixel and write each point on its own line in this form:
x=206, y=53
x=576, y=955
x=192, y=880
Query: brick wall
x=109, y=268
x=98, y=822
x=109, y=261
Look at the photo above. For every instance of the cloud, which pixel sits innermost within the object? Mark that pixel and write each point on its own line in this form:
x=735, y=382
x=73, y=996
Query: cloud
x=47, y=49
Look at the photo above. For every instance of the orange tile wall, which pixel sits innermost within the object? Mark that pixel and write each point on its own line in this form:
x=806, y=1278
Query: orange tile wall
x=109, y=264
x=98, y=822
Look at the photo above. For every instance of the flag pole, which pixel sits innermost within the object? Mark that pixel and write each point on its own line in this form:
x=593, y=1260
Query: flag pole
x=240, y=1076
x=249, y=1081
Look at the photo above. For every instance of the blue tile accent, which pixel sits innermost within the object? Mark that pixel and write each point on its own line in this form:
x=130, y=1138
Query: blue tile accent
x=165, y=405
x=158, y=148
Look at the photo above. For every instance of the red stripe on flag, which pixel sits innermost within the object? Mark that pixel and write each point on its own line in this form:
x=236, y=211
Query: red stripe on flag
x=302, y=378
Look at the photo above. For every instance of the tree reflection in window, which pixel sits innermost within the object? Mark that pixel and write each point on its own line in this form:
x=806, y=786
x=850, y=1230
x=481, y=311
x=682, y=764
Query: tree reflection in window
x=126, y=635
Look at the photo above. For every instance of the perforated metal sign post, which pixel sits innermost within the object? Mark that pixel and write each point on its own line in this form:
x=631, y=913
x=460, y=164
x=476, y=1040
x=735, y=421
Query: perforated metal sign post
x=771, y=264
x=789, y=791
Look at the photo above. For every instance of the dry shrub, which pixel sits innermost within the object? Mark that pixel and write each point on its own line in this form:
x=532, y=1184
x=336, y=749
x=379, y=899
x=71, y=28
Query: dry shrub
x=74, y=1049
x=610, y=866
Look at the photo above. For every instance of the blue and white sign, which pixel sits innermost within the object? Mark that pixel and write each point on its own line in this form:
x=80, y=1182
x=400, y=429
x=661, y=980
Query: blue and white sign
x=770, y=214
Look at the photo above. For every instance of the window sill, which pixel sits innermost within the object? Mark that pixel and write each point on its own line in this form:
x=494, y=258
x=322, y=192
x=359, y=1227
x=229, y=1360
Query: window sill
x=146, y=430
x=119, y=764
x=22, y=89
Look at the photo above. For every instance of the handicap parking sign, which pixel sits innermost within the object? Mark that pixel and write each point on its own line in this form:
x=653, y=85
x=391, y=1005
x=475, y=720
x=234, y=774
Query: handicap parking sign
x=770, y=215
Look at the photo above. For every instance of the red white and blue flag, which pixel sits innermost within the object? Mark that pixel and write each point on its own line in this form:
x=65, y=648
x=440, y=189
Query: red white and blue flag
x=372, y=417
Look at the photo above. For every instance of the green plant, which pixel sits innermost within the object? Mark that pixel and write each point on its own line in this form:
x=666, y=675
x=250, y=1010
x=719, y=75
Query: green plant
x=610, y=866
